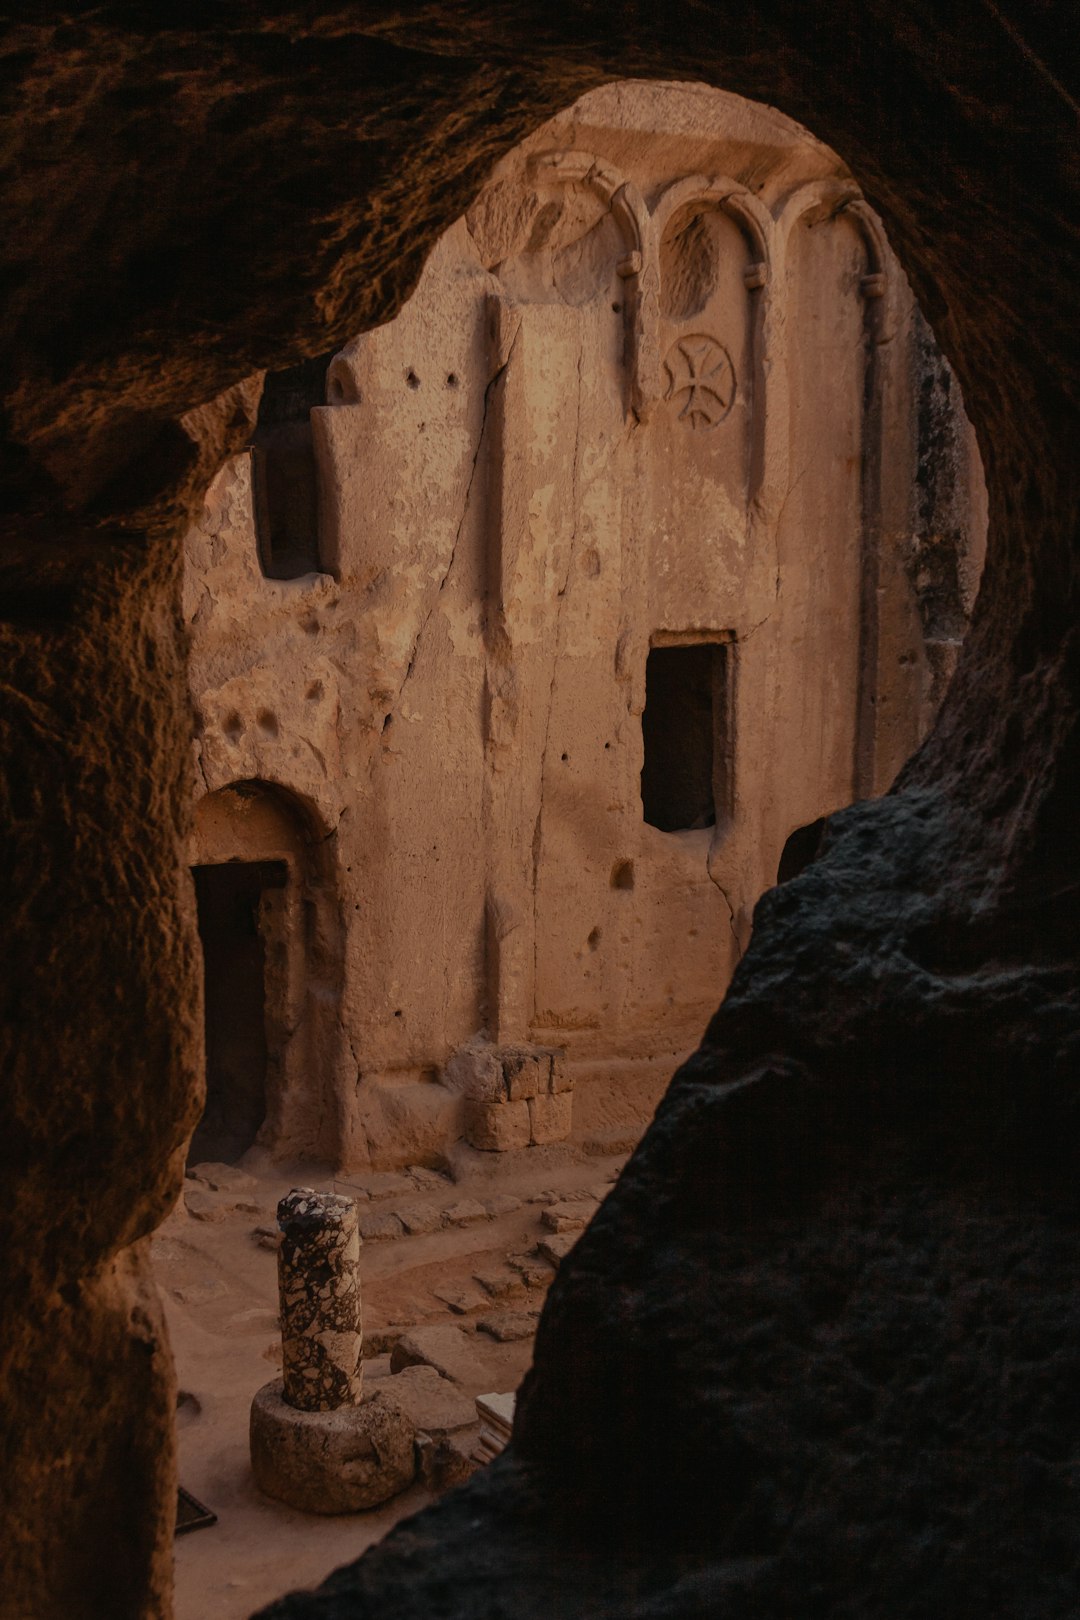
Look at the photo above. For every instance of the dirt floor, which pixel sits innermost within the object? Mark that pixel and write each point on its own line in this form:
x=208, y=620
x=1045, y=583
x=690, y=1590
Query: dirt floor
x=474, y=1248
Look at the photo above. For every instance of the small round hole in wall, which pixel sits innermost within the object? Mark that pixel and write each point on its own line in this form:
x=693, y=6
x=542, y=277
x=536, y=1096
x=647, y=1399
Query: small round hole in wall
x=616, y=309
x=564, y=758
x=594, y=939
x=411, y=378
x=452, y=381
x=268, y=722
x=341, y=386
x=233, y=727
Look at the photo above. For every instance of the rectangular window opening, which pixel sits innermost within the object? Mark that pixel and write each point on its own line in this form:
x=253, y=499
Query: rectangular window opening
x=685, y=777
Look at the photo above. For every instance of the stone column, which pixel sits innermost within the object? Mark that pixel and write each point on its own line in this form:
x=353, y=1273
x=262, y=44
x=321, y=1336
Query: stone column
x=319, y=1290
x=316, y=1443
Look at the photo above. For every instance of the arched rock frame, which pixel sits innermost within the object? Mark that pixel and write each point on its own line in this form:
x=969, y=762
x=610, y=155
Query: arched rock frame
x=945, y=908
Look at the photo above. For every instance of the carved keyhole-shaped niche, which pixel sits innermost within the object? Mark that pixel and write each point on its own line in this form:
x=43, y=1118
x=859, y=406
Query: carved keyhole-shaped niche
x=550, y=241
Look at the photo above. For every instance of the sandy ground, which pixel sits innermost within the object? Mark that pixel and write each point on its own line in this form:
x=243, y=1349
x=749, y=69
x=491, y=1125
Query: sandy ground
x=471, y=1259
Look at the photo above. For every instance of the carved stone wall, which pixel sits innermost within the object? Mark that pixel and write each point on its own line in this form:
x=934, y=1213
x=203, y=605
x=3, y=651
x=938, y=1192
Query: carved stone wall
x=657, y=389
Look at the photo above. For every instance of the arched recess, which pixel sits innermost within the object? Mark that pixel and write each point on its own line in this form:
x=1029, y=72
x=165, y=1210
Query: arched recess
x=688, y=222
x=270, y=928
x=635, y=266
x=839, y=289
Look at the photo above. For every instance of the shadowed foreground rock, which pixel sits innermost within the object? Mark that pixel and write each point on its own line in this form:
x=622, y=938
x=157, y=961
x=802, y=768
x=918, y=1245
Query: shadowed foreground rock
x=813, y=1356
x=828, y=1366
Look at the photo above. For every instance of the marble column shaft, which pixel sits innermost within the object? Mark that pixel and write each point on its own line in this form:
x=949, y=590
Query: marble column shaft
x=319, y=1290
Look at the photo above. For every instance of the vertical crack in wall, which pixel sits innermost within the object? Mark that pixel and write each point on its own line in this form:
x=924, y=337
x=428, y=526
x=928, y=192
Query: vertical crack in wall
x=731, y=914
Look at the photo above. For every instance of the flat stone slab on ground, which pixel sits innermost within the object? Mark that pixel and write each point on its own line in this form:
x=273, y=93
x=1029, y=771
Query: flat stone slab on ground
x=203, y=1205
x=502, y=1204
x=461, y=1299
x=222, y=1178
x=509, y=1326
x=497, y=1409
x=430, y=1401
x=501, y=1282
x=380, y=1226
x=418, y=1219
x=426, y=1180
x=534, y=1271
x=377, y=1184
x=466, y=1212
x=568, y=1217
x=446, y=1348
x=556, y=1247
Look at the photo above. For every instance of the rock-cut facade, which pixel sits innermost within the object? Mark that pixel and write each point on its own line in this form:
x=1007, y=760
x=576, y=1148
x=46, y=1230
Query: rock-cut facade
x=540, y=628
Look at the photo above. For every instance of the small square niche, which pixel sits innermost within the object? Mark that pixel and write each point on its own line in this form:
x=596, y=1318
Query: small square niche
x=686, y=770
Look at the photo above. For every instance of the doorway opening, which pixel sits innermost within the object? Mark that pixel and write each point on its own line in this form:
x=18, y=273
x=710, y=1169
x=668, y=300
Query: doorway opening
x=236, y=912
x=269, y=922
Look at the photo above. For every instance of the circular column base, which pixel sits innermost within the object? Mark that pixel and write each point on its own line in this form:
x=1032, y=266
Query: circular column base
x=330, y=1462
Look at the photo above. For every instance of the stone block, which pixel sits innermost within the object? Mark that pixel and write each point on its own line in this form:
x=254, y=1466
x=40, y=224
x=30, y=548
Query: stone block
x=475, y=1071
x=502, y=1204
x=498, y=1127
x=525, y=1072
x=419, y=1218
x=550, y=1117
x=496, y=1414
x=445, y=1460
x=460, y=1299
x=509, y=1326
x=204, y=1205
x=380, y=1227
x=466, y=1212
x=559, y=1078
x=501, y=1282
x=557, y=1247
x=567, y=1217
x=446, y=1348
x=534, y=1272
x=430, y=1401
x=223, y=1178
x=330, y=1462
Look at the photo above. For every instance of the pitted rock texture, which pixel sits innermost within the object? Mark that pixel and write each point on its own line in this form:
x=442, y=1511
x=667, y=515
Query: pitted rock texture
x=193, y=197
x=319, y=1288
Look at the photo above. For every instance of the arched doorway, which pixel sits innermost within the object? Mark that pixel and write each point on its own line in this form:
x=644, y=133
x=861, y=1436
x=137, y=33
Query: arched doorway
x=267, y=915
